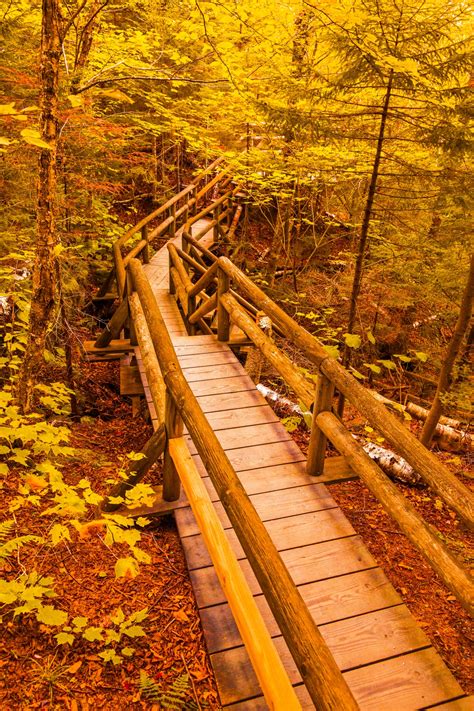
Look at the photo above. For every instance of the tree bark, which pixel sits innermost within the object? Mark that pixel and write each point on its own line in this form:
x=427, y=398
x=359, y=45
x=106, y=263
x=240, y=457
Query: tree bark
x=454, y=346
x=364, y=231
x=44, y=271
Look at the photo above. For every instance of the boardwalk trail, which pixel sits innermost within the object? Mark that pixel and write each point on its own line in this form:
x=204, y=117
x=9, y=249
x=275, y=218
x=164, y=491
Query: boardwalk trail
x=386, y=659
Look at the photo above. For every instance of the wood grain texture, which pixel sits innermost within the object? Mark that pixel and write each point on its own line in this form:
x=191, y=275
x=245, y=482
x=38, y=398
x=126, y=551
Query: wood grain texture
x=286, y=533
x=253, y=435
x=329, y=600
x=354, y=642
x=269, y=505
x=311, y=563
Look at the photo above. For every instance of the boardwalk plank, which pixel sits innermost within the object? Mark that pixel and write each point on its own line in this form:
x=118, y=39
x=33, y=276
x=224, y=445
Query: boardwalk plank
x=329, y=600
x=364, y=640
x=309, y=564
x=269, y=505
x=286, y=533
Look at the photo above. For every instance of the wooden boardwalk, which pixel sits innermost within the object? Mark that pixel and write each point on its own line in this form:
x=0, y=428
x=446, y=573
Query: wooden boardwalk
x=386, y=658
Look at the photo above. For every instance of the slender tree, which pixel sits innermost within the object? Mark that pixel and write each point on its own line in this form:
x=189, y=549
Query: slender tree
x=445, y=375
x=44, y=269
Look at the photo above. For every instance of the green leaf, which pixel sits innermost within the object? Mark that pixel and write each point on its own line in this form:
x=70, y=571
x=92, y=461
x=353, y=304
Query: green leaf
x=138, y=616
x=403, y=358
x=332, y=351
x=352, y=340
x=110, y=655
x=142, y=521
x=33, y=136
x=64, y=638
x=117, y=617
x=93, y=634
x=374, y=368
x=357, y=375
x=126, y=568
x=388, y=364
x=79, y=622
x=50, y=616
x=422, y=356
x=371, y=337
x=134, y=631
x=4, y=141
x=59, y=533
x=7, y=109
x=136, y=456
x=75, y=100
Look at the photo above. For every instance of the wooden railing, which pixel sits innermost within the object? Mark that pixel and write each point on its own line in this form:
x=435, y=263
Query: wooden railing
x=215, y=295
x=178, y=406
x=230, y=308
x=172, y=215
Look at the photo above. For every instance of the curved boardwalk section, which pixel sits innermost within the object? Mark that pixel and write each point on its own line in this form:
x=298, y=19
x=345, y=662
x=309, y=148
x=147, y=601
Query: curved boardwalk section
x=386, y=658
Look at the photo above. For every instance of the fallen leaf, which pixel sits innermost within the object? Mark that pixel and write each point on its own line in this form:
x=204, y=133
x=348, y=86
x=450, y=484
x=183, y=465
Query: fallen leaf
x=181, y=616
x=74, y=667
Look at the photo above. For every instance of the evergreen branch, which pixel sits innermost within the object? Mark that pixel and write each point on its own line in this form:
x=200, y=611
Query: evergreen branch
x=133, y=77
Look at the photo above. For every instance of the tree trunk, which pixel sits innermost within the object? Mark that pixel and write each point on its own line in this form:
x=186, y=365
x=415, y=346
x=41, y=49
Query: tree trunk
x=364, y=231
x=44, y=272
x=454, y=346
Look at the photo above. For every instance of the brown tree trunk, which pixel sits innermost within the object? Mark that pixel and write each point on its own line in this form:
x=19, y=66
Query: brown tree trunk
x=454, y=346
x=44, y=272
x=364, y=231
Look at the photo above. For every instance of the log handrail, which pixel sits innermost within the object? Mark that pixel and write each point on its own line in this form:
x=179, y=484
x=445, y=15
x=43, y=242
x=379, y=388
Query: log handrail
x=318, y=669
x=331, y=373
x=433, y=472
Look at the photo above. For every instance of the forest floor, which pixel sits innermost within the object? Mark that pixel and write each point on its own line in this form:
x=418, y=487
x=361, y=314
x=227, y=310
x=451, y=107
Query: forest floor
x=38, y=674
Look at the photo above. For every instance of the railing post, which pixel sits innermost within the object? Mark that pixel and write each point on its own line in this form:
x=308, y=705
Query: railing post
x=223, y=318
x=131, y=325
x=217, y=212
x=172, y=287
x=146, y=249
x=173, y=224
x=194, y=194
x=317, y=441
x=174, y=429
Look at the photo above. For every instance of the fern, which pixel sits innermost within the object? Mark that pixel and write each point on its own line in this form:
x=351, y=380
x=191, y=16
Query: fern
x=174, y=698
x=7, y=547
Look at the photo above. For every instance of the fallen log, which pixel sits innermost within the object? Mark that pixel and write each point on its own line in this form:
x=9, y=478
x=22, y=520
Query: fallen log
x=392, y=464
x=448, y=434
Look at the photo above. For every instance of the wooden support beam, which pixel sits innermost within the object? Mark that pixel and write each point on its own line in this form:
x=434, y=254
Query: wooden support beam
x=113, y=328
x=174, y=429
x=423, y=536
x=268, y=666
x=223, y=318
x=146, y=248
x=204, y=309
x=120, y=346
x=319, y=671
x=130, y=381
x=149, y=359
x=153, y=449
x=317, y=441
